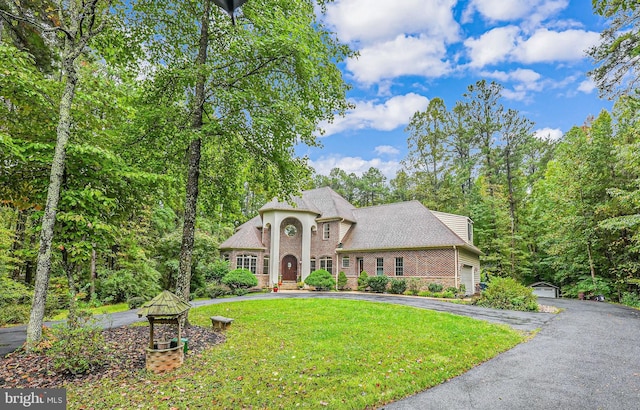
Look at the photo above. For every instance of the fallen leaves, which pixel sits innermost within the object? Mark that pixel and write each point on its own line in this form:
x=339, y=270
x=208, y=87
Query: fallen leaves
x=127, y=355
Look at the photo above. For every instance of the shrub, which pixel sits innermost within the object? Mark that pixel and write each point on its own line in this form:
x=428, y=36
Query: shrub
x=121, y=285
x=217, y=270
x=342, y=280
x=77, y=348
x=435, y=287
x=216, y=291
x=630, y=299
x=363, y=281
x=462, y=289
x=398, y=286
x=378, y=284
x=449, y=294
x=15, y=299
x=13, y=292
x=14, y=314
x=240, y=279
x=321, y=280
x=135, y=302
x=240, y=291
x=507, y=293
x=413, y=286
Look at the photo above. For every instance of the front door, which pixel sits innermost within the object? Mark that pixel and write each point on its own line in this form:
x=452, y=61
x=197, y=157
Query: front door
x=289, y=268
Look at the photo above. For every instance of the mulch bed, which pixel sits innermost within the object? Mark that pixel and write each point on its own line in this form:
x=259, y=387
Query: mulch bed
x=126, y=355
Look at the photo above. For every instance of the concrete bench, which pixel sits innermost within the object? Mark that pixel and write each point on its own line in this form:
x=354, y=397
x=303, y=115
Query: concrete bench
x=220, y=322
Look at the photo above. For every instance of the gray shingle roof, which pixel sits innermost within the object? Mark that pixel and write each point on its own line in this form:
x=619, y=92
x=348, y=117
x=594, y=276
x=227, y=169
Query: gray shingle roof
x=398, y=226
x=324, y=202
x=247, y=236
x=405, y=225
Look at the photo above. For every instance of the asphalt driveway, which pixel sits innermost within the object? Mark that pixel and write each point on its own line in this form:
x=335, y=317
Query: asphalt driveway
x=587, y=356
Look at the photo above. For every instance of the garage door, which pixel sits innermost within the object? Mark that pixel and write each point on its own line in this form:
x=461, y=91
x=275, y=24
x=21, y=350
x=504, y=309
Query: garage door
x=466, y=276
x=544, y=292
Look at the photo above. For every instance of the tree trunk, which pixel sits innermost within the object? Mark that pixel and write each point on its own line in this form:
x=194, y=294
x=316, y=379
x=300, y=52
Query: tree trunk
x=183, y=282
x=43, y=266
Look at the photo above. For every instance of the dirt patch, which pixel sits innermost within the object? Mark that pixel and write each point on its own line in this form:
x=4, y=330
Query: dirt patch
x=126, y=355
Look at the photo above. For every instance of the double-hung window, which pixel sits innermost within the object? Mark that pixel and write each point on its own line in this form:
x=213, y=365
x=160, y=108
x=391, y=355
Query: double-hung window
x=379, y=266
x=399, y=266
x=326, y=263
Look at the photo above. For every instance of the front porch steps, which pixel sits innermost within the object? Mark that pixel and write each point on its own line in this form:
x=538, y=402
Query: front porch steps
x=289, y=285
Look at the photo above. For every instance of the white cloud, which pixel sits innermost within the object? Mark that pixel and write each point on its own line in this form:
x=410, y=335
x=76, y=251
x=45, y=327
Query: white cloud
x=530, y=12
x=404, y=55
x=493, y=46
x=357, y=165
x=587, y=86
x=508, y=44
x=551, y=134
x=387, y=116
x=386, y=150
x=548, y=46
x=524, y=82
x=368, y=21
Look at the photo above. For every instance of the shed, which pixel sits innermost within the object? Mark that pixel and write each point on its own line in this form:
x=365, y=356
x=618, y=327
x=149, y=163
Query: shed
x=545, y=290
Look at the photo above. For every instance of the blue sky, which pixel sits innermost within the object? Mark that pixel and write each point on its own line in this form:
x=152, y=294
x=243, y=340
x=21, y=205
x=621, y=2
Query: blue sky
x=414, y=50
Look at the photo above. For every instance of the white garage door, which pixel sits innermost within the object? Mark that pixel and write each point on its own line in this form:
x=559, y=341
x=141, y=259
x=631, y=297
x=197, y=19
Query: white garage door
x=544, y=292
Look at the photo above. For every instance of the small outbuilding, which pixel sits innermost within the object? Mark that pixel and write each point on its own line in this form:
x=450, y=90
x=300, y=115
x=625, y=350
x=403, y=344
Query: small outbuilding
x=165, y=309
x=545, y=290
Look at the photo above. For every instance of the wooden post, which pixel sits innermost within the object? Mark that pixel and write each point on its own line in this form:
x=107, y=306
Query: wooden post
x=150, y=332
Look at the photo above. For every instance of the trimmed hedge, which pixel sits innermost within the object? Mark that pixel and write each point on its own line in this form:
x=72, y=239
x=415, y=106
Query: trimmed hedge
x=398, y=286
x=321, y=280
x=240, y=279
x=378, y=284
x=363, y=281
x=342, y=280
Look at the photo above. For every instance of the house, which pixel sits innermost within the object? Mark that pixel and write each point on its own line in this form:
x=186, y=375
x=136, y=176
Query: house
x=322, y=230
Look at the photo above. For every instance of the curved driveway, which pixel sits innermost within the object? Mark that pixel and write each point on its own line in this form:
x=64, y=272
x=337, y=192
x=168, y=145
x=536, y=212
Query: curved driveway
x=587, y=357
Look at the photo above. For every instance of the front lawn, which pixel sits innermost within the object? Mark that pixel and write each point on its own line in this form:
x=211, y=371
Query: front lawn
x=313, y=353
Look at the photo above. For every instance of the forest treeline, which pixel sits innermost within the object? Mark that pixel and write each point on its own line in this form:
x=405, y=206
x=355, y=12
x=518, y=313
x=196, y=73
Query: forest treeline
x=161, y=135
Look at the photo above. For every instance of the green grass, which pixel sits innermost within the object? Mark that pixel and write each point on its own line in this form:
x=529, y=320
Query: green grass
x=311, y=353
x=100, y=310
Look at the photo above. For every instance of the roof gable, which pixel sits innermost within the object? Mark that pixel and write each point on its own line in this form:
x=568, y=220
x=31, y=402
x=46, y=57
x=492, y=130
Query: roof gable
x=324, y=202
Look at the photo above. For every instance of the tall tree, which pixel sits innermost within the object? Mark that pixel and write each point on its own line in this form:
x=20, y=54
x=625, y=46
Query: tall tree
x=517, y=138
x=618, y=54
x=266, y=84
x=428, y=155
x=78, y=23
